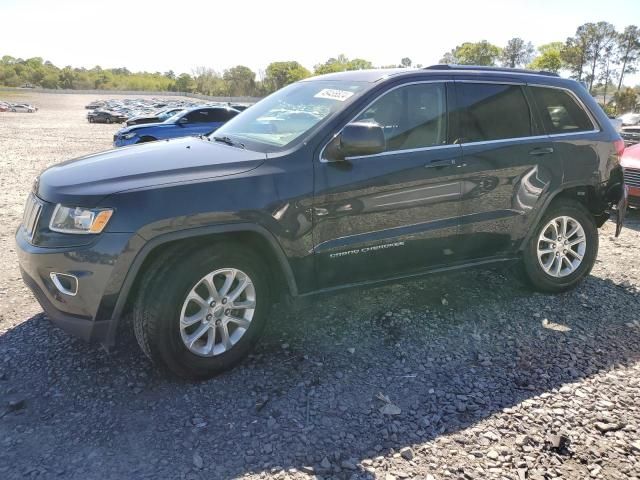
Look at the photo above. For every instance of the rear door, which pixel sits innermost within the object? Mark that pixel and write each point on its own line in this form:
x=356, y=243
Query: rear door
x=508, y=164
x=392, y=213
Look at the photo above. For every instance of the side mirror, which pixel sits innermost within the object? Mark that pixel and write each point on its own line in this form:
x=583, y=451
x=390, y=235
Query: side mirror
x=182, y=121
x=362, y=138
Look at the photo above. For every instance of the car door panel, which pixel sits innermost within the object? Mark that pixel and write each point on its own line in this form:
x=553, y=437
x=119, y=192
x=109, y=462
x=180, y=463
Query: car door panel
x=395, y=212
x=502, y=184
x=508, y=166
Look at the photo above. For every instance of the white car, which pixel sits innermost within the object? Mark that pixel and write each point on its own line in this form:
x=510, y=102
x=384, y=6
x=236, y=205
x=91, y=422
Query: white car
x=630, y=118
x=22, y=108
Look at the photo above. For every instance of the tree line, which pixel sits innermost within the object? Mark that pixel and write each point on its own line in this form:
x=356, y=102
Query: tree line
x=597, y=55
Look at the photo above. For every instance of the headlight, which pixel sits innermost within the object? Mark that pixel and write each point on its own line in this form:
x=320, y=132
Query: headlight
x=79, y=220
x=127, y=136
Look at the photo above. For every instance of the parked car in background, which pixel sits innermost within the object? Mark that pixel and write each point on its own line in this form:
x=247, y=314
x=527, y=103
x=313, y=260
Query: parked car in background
x=389, y=175
x=22, y=108
x=160, y=116
x=630, y=119
x=103, y=116
x=631, y=167
x=190, y=122
x=4, y=107
x=630, y=135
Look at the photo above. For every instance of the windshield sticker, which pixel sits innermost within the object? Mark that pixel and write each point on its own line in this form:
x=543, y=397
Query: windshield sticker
x=332, y=94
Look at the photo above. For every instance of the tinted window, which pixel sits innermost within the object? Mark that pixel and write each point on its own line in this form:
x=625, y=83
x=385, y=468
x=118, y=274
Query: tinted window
x=492, y=112
x=199, y=116
x=221, y=115
x=560, y=112
x=414, y=116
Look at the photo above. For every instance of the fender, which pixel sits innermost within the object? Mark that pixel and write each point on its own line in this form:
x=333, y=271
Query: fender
x=193, y=233
x=541, y=211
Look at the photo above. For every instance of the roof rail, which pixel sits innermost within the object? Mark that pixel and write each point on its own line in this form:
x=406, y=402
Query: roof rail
x=489, y=69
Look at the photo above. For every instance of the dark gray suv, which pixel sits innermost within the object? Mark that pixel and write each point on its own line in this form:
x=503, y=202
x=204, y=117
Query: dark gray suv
x=337, y=181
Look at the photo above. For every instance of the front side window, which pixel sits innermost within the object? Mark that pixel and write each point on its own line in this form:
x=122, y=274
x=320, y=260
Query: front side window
x=414, y=116
x=492, y=112
x=560, y=112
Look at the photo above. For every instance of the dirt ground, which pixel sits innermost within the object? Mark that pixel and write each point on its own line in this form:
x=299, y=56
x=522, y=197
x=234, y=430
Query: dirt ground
x=468, y=376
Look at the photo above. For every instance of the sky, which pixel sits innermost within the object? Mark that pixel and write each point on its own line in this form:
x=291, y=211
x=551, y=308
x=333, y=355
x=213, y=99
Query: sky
x=164, y=35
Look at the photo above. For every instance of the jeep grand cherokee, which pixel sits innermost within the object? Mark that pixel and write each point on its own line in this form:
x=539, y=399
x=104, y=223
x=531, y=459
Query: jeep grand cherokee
x=341, y=180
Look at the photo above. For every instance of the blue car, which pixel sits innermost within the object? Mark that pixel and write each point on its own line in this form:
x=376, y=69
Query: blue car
x=190, y=122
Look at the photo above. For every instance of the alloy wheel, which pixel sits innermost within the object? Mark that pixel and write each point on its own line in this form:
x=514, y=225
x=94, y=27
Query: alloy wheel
x=561, y=246
x=217, y=312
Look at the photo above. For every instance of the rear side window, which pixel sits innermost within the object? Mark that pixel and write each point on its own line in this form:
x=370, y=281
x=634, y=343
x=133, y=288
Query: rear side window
x=221, y=115
x=560, y=112
x=492, y=112
x=413, y=116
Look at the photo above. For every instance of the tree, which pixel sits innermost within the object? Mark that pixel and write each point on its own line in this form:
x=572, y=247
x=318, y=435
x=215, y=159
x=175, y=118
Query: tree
x=67, y=76
x=607, y=72
x=184, y=83
x=516, y=53
x=241, y=81
x=601, y=35
x=405, y=62
x=340, y=64
x=629, y=51
x=626, y=100
x=280, y=74
x=478, y=53
x=549, y=58
x=574, y=53
x=209, y=82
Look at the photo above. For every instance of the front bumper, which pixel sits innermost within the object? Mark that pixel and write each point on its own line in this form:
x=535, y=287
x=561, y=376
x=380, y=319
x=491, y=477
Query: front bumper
x=100, y=268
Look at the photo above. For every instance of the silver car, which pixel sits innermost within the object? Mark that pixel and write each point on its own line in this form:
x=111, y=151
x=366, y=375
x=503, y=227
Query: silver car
x=22, y=107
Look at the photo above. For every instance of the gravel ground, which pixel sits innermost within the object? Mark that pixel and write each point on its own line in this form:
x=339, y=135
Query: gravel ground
x=461, y=376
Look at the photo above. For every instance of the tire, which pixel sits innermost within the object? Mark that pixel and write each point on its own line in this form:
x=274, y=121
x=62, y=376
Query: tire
x=162, y=303
x=571, y=269
x=146, y=139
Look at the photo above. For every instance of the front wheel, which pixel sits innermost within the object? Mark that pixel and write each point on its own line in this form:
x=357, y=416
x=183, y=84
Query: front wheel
x=563, y=248
x=199, y=314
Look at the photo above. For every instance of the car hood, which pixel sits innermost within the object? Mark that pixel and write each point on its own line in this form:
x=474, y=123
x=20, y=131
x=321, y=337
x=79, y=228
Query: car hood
x=631, y=157
x=87, y=180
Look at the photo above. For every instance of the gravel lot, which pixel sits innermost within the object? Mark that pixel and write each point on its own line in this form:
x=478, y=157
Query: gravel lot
x=462, y=376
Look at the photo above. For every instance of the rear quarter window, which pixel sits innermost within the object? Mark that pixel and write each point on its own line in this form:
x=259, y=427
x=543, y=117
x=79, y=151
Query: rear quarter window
x=560, y=112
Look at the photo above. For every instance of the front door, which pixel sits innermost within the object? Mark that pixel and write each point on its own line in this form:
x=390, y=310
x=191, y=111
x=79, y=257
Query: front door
x=396, y=212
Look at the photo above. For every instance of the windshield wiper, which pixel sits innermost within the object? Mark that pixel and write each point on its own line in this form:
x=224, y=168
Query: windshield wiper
x=229, y=141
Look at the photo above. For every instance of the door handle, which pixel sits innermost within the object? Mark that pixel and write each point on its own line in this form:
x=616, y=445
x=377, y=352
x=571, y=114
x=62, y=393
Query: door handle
x=441, y=163
x=541, y=151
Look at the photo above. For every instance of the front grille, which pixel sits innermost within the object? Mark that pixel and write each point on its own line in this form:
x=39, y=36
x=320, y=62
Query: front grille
x=32, y=210
x=632, y=177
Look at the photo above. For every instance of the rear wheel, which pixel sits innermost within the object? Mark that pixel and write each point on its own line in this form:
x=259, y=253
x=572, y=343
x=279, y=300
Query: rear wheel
x=200, y=314
x=563, y=248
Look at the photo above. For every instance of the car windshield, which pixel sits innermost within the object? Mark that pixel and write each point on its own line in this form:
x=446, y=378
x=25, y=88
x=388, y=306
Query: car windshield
x=287, y=115
x=174, y=118
x=168, y=114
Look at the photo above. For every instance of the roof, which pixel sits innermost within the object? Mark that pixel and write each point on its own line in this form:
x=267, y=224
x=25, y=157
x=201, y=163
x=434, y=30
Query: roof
x=376, y=75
